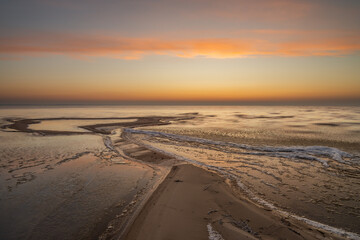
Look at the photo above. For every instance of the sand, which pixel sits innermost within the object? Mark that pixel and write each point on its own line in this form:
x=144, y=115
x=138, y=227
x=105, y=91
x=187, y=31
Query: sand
x=191, y=201
x=23, y=125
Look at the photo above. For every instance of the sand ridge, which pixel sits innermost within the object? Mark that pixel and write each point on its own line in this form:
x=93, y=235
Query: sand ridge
x=190, y=199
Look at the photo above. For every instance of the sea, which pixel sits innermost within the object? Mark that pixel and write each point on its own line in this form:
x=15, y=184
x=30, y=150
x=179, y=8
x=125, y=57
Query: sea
x=301, y=161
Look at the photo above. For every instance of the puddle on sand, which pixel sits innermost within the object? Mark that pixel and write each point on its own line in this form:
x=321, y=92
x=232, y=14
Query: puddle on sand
x=71, y=200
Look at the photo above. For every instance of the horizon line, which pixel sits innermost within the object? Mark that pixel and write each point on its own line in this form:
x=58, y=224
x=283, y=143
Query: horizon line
x=293, y=102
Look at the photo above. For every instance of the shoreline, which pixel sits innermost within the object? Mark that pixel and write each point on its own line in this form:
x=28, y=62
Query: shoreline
x=193, y=203
x=215, y=220
x=22, y=125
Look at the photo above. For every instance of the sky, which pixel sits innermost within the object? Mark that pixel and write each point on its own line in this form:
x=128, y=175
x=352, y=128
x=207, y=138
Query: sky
x=179, y=51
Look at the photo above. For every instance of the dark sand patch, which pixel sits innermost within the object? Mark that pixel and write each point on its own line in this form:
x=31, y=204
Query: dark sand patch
x=244, y=116
x=23, y=125
x=328, y=124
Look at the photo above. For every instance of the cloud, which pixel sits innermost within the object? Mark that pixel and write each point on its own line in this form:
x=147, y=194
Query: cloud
x=258, y=43
x=257, y=10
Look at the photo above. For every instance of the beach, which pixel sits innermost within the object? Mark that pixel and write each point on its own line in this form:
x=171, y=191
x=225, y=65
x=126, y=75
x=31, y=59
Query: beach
x=136, y=173
x=169, y=120
x=192, y=203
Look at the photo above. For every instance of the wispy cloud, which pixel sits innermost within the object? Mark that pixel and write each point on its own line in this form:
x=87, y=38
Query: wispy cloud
x=259, y=43
x=257, y=10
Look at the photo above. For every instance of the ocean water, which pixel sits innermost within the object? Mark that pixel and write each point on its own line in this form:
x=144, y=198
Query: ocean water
x=303, y=161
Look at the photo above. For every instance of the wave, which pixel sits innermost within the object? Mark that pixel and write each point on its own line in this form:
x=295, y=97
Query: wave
x=312, y=153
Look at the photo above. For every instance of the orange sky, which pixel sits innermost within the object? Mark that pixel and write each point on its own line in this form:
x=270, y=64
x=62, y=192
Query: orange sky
x=179, y=50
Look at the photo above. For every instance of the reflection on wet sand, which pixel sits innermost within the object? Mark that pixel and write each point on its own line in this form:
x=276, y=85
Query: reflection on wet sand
x=96, y=127
x=89, y=177
x=73, y=186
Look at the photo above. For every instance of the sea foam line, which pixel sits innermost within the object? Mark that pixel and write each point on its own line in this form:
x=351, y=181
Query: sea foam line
x=312, y=153
x=213, y=235
x=222, y=171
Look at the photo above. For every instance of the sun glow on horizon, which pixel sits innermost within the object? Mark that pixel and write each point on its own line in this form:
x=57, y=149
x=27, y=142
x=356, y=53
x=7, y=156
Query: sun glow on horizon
x=180, y=51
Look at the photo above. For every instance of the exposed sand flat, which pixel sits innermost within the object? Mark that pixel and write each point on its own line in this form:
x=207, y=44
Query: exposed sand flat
x=74, y=125
x=110, y=124
x=192, y=202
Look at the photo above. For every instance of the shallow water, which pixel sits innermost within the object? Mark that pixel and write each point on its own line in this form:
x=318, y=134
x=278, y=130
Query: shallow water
x=304, y=160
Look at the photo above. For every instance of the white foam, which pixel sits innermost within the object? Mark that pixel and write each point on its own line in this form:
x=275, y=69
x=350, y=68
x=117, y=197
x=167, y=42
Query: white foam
x=328, y=228
x=213, y=235
x=312, y=153
x=222, y=171
x=108, y=143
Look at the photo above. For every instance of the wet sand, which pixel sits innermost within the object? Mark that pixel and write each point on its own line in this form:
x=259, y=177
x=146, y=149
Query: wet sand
x=192, y=203
x=23, y=125
x=91, y=194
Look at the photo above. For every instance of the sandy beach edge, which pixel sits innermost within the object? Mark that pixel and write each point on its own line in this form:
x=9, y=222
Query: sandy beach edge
x=193, y=203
